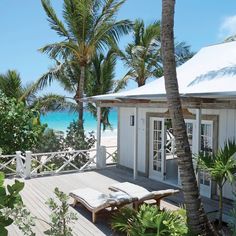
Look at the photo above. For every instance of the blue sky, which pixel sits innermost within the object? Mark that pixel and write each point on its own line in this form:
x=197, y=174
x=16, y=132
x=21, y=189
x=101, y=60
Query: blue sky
x=24, y=29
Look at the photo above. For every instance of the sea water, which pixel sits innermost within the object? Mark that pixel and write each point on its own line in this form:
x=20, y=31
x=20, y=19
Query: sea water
x=61, y=120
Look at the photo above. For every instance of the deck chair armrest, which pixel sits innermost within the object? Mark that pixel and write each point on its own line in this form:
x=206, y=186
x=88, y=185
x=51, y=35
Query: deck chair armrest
x=166, y=192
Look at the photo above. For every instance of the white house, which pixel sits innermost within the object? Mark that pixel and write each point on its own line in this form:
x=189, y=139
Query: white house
x=207, y=84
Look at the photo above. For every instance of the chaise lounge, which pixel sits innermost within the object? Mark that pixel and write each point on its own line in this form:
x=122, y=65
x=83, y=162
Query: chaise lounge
x=97, y=202
x=142, y=194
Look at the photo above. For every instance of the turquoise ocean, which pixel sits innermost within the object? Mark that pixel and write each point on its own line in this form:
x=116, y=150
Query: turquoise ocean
x=61, y=120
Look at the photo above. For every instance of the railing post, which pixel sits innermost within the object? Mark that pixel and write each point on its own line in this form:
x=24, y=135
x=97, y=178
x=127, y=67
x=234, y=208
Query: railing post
x=18, y=163
x=28, y=155
x=101, y=157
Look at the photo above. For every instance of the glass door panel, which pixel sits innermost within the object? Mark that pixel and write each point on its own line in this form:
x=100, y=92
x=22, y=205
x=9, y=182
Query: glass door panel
x=157, y=150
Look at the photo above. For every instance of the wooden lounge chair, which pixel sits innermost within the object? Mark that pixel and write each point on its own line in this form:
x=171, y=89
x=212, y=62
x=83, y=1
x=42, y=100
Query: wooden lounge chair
x=142, y=194
x=96, y=201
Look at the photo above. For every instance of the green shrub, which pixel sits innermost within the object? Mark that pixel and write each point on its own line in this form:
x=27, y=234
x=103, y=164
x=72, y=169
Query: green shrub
x=60, y=215
x=19, y=126
x=150, y=221
x=50, y=142
x=9, y=199
x=76, y=139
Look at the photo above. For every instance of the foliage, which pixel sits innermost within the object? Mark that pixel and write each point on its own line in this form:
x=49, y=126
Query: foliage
x=22, y=218
x=101, y=80
x=12, y=87
x=19, y=126
x=88, y=26
x=221, y=166
x=149, y=221
x=12, y=210
x=143, y=57
x=76, y=139
x=60, y=216
x=9, y=198
x=232, y=223
x=50, y=142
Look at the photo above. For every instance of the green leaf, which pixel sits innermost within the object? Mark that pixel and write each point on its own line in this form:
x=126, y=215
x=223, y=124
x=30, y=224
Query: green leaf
x=3, y=231
x=2, y=177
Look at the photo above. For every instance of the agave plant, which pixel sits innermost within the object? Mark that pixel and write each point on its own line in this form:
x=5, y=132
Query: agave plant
x=221, y=166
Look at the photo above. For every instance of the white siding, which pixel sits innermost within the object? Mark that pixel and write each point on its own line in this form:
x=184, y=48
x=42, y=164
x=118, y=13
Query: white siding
x=126, y=137
x=127, y=140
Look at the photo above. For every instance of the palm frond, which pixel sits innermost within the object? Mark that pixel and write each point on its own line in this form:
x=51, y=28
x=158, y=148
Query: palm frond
x=55, y=23
x=54, y=102
x=11, y=85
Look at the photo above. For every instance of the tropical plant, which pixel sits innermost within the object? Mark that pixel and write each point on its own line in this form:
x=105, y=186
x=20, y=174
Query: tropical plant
x=101, y=80
x=50, y=142
x=221, y=166
x=19, y=128
x=197, y=219
x=143, y=56
x=12, y=87
x=76, y=140
x=232, y=223
x=89, y=26
x=61, y=218
x=9, y=198
x=60, y=222
x=150, y=221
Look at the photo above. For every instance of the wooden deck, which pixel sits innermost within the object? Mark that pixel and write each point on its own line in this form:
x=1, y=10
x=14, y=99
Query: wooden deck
x=38, y=190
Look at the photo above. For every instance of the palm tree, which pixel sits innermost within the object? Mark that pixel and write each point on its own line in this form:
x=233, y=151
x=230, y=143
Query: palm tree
x=11, y=85
x=89, y=26
x=143, y=55
x=101, y=80
x=222, y=167
x=196, y=216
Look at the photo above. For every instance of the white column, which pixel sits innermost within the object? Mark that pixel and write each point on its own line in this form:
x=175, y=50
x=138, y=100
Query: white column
x=98, y=127
x=198, y=130
x=135, y=143
x=28, y=155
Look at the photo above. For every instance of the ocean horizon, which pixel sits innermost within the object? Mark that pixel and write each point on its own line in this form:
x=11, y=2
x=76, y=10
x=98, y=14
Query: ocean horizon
x=60, y=121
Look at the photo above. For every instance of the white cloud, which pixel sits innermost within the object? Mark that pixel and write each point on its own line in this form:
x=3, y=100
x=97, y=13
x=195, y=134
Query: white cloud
x=227, y=27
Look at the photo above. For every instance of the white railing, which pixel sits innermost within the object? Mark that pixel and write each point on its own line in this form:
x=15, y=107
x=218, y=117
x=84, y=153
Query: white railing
x=38, y=164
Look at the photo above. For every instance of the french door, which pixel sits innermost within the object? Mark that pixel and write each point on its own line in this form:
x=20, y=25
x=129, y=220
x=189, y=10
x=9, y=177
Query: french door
x=206, y=147
x=157, y=159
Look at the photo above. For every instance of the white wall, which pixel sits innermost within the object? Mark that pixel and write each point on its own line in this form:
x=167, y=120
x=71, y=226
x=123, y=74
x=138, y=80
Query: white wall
x=127, y=139
x=226, y=130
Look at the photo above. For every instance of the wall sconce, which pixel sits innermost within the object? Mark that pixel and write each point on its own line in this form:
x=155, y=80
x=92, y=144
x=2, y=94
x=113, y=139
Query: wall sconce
x=132, y=120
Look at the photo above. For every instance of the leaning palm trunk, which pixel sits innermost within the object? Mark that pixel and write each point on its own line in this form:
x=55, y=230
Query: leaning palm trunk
x=197, y=218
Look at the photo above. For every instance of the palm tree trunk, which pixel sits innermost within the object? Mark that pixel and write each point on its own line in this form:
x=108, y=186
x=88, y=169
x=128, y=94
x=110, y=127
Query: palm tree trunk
x=79, y=96
x=197, y=218
x=141, y=82
x=220, y=205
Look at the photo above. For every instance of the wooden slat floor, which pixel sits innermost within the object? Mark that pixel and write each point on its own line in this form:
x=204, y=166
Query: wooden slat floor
x=38, y=190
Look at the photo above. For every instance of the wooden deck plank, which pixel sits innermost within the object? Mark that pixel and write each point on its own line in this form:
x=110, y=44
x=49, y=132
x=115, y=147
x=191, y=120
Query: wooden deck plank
x=38, y=190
